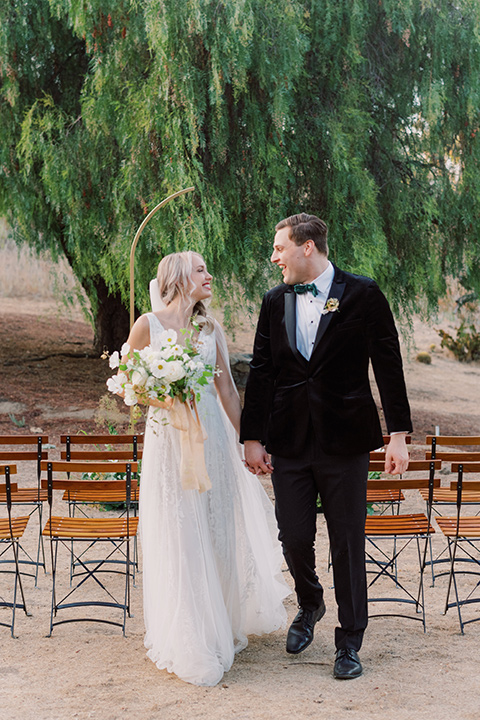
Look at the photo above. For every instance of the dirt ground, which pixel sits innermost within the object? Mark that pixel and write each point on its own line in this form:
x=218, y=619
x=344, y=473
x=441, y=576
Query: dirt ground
x=50, y=383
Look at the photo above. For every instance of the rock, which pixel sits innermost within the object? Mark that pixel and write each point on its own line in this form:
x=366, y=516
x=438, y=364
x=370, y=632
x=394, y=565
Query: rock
x=240, y=366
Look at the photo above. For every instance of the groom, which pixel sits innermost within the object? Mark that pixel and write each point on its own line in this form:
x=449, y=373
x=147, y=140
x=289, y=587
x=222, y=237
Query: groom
x=308, y=403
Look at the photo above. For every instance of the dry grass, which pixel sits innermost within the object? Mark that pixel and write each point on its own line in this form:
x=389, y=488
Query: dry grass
x=24, y=273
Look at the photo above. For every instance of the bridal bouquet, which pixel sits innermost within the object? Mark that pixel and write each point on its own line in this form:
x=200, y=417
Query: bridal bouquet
x=174, y=371
x=175, y=374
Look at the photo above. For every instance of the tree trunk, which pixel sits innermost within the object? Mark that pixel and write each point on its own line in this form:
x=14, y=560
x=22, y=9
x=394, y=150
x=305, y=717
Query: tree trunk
x=112, y=321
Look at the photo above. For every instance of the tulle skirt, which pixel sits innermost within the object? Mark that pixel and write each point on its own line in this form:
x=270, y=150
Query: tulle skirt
x=211, y=561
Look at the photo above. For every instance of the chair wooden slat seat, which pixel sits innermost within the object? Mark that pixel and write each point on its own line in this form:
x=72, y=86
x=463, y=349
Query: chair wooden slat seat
x=25, y=496
x=413, y=523
x=384, y=496
x=449, y=497
x=90, y=528
x=19, y=525
x=468, y=527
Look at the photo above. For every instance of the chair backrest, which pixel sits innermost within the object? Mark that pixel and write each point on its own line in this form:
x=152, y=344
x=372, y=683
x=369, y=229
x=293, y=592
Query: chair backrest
x=8, y=487
x=98, y=447
x=461, y=485
x=405, y=481
x=54, y=481
x=37, y=453
x=436, y=442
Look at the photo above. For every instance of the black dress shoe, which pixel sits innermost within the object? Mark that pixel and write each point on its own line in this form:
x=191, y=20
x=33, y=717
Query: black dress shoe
x=347, y=664
x=300, y=633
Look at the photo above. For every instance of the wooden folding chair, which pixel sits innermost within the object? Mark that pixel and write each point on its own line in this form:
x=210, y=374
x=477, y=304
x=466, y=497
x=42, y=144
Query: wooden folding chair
x=443, y=497
x=29, y=449
x=402, y=530
x=11, y=531
x=107, y=448
x=115, y=535
x=463, y=538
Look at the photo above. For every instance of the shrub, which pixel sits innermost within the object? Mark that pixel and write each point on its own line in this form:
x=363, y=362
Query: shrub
x=466, y=345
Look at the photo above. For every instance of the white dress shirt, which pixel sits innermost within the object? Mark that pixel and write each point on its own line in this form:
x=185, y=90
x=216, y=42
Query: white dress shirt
x=309, y=311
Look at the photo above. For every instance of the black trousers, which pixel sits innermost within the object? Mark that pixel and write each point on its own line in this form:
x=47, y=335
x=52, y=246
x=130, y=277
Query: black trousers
x=341, y=482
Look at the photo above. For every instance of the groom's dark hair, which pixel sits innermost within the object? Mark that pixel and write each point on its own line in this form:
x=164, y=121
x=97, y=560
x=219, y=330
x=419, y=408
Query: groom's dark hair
x=305, y=227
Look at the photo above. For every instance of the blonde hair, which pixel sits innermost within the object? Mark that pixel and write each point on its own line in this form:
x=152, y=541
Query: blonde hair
x=174, y=278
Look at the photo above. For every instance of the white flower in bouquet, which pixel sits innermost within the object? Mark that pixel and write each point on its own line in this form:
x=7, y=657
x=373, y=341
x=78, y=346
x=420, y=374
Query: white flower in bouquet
x=130, y=396
x=114, y=360
x=168, y=337
x=175, y=371
x=139, y=377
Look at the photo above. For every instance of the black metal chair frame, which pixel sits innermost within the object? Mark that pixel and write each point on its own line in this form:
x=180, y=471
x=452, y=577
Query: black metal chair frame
x=37, y=505
x=386, y=564
x=436, y=454
x=469, y=546
x=90, y=570
x=71, y=454
x=12, y=542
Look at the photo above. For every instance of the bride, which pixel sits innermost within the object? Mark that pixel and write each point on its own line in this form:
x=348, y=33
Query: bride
x=211, y=561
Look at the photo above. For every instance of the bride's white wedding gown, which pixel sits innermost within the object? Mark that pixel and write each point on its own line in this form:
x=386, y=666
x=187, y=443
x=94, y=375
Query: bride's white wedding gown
x=211, y=561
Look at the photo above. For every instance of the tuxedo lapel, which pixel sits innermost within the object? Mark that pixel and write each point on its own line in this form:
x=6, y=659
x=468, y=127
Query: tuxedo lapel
x=291, y=324
x=336, y=291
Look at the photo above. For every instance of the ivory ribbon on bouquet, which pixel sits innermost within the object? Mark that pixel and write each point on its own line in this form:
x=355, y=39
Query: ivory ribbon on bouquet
x=193, y=473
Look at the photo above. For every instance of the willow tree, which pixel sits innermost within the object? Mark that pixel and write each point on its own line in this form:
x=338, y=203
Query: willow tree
x=389, y=152
x=364, y=111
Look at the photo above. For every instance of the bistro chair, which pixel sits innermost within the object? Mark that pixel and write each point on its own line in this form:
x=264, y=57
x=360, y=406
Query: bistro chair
x=444, y=498
x=28, y=450
x=403, y=530
x=106, y=448
x=463, y=538
x=11, y=532
x=113, y=535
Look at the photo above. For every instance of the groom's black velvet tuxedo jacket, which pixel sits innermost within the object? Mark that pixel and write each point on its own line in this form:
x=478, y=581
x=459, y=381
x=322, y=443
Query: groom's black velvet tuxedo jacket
x=288, y=396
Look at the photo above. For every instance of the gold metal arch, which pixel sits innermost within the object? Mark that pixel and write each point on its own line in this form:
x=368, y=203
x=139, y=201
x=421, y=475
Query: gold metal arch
x=135, y=243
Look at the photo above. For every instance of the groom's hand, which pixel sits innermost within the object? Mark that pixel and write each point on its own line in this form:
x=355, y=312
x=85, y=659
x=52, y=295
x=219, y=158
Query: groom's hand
x=257, y=460
x=396, y=456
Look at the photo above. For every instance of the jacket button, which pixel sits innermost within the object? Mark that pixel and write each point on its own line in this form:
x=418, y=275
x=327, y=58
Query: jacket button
x=310, y=379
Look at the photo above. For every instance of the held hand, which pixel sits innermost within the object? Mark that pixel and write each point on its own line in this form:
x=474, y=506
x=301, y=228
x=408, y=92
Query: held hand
x=396, y=457
x=257, y=460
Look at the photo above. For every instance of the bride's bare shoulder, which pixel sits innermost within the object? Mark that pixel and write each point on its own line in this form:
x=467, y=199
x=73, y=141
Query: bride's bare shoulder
x=140, y=333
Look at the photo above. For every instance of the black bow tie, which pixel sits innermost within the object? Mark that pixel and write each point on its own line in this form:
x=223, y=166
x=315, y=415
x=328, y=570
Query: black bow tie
x=309, y=287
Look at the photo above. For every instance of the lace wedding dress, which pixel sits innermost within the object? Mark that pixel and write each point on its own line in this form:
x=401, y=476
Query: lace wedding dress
x=211, y=561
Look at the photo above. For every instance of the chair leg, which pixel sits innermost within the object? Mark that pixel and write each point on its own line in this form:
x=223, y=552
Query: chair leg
x=40, y=546
x=53, y=609
x=17, y=584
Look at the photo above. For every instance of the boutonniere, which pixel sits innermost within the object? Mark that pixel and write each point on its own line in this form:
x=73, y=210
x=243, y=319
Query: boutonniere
x=332, y=305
